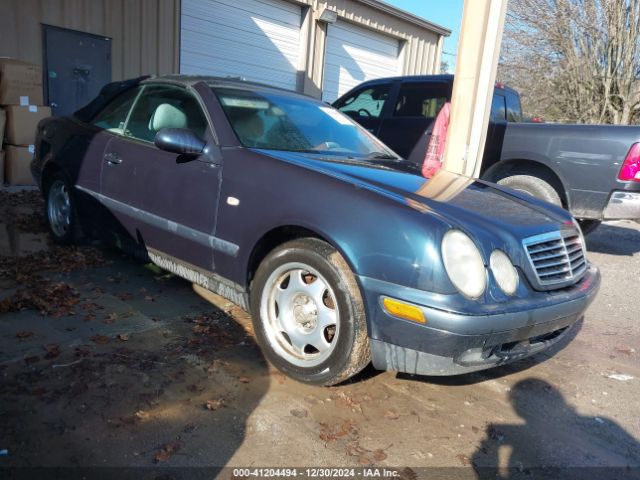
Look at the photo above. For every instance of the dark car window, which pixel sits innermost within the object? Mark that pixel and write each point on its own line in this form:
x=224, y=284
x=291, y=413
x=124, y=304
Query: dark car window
x=114, y=115
x=285, y=122
x=514, y=110
x=421, y=99
x=367, y=102
x=498, y=109
x=164, y=106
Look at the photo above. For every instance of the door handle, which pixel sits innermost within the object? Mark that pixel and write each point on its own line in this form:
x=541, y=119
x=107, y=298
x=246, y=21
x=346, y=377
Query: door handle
x=113, y=159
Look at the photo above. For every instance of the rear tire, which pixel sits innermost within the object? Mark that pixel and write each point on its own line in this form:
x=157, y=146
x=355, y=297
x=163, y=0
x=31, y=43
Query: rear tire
x=308, y=313
x=534, y=186
x=60, y=210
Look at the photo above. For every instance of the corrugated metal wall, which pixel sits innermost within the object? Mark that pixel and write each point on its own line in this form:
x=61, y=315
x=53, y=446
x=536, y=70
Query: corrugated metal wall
x=421, y=45
x=145, y=33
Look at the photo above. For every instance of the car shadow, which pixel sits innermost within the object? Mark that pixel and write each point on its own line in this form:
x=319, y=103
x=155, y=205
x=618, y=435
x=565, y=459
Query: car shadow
x=499, y=371
x=549, y=425
x=614, y=240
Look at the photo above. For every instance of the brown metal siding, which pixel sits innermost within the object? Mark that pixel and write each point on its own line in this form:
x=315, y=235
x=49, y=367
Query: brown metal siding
x=145, y=33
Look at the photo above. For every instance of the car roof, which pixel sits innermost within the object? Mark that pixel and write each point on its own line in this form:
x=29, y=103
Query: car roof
x=223, y=82
x=441, y=78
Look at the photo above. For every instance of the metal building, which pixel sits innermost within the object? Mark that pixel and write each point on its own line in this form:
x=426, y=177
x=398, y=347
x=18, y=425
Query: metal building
x=319, y=47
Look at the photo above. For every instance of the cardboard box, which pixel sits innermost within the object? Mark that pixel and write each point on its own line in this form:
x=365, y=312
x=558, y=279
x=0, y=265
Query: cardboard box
x=3, y=119
x=20, y=82
x=18, y=165
x=1, y=168
x=22, y=123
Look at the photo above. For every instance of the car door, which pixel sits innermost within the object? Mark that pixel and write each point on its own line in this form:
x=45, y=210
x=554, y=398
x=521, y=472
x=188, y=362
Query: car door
x=416, y=106
x=165, y=202
x=366, y=105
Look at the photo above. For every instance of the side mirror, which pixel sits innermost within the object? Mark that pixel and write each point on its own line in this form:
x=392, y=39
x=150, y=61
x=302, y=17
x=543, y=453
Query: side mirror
x=180, y=140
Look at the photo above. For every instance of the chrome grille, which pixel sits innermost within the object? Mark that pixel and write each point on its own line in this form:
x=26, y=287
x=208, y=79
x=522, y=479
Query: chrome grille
x=557, y=258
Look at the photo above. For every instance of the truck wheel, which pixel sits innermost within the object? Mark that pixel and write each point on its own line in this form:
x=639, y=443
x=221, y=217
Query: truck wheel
x=60, y=210
x=533, y=186
x=588, y=225
x=308, y=313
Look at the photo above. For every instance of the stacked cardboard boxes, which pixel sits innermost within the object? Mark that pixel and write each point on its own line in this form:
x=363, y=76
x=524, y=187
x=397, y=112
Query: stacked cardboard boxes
x=21, y=103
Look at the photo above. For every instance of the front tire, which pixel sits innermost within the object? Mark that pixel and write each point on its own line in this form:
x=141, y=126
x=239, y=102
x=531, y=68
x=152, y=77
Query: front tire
x=308, y=313
x=60, y=210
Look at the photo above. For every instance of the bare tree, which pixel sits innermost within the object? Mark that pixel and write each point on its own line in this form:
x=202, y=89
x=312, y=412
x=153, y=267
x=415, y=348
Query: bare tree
x=574, y=60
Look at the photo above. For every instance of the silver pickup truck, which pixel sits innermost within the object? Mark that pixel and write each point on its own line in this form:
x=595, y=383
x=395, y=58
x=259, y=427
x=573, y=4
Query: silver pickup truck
x=591, y=170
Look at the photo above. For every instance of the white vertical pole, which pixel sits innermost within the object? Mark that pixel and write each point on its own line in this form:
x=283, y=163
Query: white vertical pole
x=476, y=65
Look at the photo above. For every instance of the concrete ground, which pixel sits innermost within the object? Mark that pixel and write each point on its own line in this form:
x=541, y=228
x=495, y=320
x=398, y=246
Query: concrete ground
x=107, y=362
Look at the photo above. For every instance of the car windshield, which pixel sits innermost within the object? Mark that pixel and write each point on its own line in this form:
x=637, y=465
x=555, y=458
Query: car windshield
x=275, y=121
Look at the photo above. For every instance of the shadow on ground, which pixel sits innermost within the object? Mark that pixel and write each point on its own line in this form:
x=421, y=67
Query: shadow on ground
x=523, y=449
x=107, y=363
x=615, y=239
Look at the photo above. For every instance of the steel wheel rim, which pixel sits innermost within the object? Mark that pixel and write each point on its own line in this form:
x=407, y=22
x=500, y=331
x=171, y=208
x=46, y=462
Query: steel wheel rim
x=59, y=208
x=300, y=314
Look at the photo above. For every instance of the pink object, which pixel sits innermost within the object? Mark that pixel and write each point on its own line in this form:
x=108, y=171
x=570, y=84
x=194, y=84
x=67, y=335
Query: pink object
x=435, y=149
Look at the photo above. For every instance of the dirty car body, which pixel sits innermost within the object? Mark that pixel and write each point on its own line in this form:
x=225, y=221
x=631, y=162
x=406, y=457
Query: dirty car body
x=241, y=186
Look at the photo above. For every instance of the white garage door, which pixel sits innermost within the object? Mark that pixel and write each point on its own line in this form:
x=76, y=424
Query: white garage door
x=353, y=55
x=255, y=39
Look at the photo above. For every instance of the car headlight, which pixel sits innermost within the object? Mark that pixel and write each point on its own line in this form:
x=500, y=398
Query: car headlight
x=464, y=264
x=504, y=272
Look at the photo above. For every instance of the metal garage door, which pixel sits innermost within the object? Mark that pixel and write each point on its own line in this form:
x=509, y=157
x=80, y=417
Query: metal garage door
x=353, y=55
x=255, y=39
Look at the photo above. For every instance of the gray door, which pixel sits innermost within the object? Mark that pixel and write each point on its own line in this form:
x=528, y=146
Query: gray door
x=77, y=65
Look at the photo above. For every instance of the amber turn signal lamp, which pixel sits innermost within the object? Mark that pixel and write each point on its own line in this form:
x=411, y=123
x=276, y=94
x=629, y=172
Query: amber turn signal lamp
x=403, y=310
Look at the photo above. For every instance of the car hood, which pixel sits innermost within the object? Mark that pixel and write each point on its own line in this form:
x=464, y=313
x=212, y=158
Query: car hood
x=455, y=198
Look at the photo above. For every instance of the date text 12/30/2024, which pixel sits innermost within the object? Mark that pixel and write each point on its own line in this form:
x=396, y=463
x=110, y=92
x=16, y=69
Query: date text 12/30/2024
x=315, y=473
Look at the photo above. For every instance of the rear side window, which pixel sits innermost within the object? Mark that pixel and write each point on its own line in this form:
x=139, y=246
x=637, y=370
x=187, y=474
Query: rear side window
x=514, y=110
x=367, y=102
x=114, y=115
x=165, y=106
x=421, y=99
x=498, y=108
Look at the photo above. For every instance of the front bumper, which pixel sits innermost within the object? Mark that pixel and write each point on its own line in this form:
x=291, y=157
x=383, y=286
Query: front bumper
x=455, y=343
x=623, y=205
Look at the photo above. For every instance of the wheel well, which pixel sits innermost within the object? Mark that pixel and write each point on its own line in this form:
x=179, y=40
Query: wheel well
x=49, y=169
x=527, y=167
x=271, y=240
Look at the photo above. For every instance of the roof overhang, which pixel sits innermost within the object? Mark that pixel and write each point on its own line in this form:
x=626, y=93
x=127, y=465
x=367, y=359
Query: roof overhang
x=404, y=15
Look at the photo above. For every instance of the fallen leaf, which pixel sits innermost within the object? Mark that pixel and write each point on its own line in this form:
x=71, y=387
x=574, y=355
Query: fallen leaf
x=166, y=452
x=53, y=351
x=24, y=334
x=379, y=455
x=123, y=337
x=626, y=350
x=464, y=460
x=214, y=404
x=244, y=380
x=101, y=339
x=201, y=329
x=391, y=414
x=142, y=415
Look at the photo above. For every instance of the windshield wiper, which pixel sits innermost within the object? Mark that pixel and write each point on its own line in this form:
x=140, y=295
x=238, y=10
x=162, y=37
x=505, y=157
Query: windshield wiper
x=382, y=156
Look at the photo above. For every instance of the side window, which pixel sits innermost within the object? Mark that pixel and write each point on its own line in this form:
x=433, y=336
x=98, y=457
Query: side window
x=114, y=115
x=367, y=102
x=514, y=110
x=498, y=109
x=164, y=106
x=421, y=99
